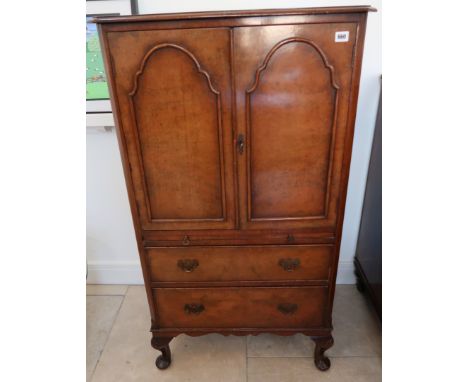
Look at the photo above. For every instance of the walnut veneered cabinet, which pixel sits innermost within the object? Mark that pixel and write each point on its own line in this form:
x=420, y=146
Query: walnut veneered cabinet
x=235, y=130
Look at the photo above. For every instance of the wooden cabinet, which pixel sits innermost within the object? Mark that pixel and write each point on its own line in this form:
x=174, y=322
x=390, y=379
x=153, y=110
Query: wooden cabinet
x=235, y=130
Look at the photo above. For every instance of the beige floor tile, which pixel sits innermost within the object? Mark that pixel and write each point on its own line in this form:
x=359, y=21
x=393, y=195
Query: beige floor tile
x=269, y=345
x=128, y=355
x=100, y=315
x=106, y=290
x=350, y=369
x=356, y=332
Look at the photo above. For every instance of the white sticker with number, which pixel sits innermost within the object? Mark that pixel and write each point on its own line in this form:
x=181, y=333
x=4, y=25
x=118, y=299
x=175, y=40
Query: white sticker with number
x=342, y=36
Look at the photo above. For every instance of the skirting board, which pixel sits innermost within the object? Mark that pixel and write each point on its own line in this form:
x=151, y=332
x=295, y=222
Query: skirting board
x=130, y=273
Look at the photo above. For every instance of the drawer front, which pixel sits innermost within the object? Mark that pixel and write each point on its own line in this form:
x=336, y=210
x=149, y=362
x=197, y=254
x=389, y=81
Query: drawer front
x=300, y=307
x=246, y=263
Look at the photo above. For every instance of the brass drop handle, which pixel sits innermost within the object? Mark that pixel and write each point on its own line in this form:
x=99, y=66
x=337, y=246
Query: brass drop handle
x=194, y=308
x=240, y=143
x=289, y=265
x=187, y=265
x=186, y=240
x=287, y=308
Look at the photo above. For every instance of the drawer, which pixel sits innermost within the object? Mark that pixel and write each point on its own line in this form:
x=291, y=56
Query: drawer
x=246, y=263
x=297, y=307
x=233, y=237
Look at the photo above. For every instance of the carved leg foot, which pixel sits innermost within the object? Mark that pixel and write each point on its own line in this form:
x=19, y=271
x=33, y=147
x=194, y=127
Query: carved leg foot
x=162, y=344
x=321, y=345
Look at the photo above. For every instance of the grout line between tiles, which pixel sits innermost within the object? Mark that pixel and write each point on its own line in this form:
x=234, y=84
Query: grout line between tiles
x=330, y=356
x=108, y=335
x=355, y=356
x=246, y=360
x=112, y=294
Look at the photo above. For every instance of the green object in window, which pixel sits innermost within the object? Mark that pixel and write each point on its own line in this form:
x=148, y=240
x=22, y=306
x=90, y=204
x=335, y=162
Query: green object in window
x=96, y=81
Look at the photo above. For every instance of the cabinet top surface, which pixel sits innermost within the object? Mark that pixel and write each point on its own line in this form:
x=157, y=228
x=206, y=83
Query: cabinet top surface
x=232, y=14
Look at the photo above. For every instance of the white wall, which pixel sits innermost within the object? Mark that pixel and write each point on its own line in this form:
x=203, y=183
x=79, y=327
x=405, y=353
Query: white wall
x=112, y=253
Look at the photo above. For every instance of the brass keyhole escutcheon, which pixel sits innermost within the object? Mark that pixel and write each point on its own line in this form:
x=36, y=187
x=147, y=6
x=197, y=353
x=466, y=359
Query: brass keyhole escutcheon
x=240, y=143
x=186, y=240
x=290, y=238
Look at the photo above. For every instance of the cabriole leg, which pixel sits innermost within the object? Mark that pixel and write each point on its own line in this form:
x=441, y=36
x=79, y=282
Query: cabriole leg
x=321, y=345
x=162, y=344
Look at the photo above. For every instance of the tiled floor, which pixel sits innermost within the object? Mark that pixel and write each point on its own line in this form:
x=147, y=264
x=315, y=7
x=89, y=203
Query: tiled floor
x=119, y=350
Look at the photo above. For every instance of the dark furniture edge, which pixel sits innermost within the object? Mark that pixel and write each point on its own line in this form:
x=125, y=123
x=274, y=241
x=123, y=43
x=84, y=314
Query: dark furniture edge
x=230, y=14
x=362, y=278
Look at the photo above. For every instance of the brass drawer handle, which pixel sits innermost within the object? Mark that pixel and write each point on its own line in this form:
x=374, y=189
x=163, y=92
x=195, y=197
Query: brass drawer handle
x=186, y=240
x=194, y=308
x=287, y=308
x=187, y=265
x=289, y=265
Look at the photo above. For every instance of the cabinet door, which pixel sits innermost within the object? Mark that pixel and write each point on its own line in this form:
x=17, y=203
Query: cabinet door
x=292, y=92
x=173, y=93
